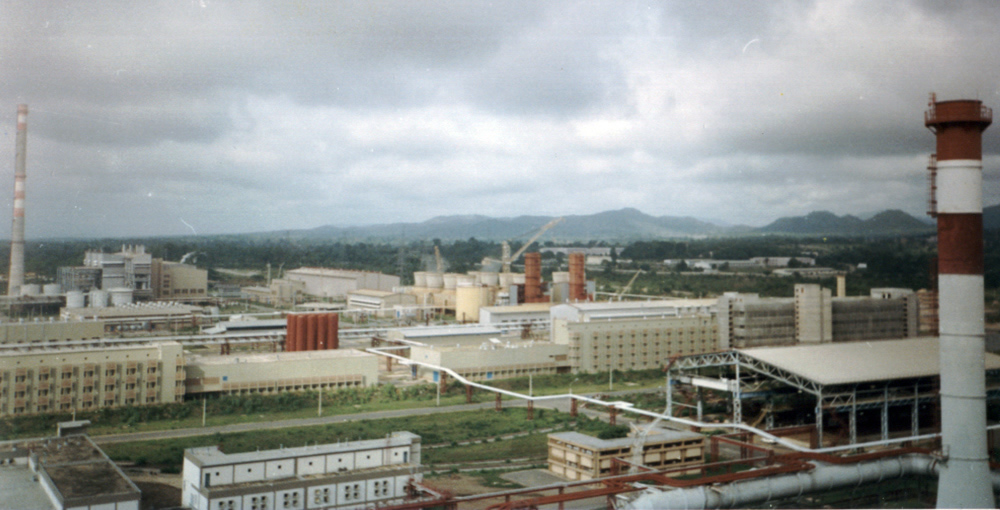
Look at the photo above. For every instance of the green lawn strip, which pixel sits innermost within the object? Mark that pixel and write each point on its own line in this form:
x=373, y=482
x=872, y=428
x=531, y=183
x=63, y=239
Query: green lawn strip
x=433, y=429
x=532, y=446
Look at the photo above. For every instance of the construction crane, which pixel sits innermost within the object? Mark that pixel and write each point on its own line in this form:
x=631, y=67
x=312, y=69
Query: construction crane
x=628, y=285
x=508, y=258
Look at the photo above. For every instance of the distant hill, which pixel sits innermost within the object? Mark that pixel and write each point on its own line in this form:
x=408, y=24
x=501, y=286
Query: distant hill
x=622, y=225
x=891, y=222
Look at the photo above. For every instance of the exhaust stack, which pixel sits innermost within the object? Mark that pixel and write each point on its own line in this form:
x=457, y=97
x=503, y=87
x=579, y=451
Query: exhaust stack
x=965, y=475
x=16, y=280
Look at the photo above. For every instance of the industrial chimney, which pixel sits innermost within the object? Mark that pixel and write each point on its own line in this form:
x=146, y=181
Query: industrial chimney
x=577, y=276
x=16, y=280
x=532, y=277
x=965, y=477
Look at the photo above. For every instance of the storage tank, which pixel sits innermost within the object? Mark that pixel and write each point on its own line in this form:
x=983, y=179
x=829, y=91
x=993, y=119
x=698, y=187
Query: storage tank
x=450, y=280
x=468, y=301
x=31, y=289
x=98, y=298
x=120, y=296
x=435, y=280
x=465, y=280
x=74, y=299
x=51, y=289
x=489, y=278
x=420, y=279
x=518, y=279
x=560, y=277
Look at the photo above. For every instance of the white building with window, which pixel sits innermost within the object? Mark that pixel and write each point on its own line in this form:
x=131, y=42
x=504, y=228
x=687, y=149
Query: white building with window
x=354, y=475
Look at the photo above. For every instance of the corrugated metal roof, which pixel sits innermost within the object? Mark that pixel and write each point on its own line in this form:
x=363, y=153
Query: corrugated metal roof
x=856, y=362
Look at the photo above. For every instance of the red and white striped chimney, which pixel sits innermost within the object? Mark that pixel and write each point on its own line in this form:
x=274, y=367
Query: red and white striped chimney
x=16, y=280
x=965, y=477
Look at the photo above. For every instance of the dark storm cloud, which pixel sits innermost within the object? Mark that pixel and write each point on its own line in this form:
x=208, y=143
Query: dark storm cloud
x=240, y=116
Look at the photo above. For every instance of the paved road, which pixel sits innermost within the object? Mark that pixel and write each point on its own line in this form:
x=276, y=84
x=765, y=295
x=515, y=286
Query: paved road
x=561, y=405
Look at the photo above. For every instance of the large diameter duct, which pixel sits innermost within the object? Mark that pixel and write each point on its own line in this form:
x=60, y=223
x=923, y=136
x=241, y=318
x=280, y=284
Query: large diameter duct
x=965, y=476
x=577, y=277
x=532, y=277
x=824, y=477
x=16, y=279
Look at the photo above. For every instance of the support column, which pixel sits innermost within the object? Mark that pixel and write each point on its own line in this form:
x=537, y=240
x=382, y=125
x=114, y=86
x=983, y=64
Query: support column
x=853, y=421
x=572, y=407
x=915, y=414
x=468, y=394
x=885, y=413
x=531, y=410
x=670, y=395
x=612, y=415
x=737, y=398
x=819, y=420
x=499, y=404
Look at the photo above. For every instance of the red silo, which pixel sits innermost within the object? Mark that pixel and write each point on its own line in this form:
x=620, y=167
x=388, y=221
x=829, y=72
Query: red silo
x=291, y=327
x=301, y=331
x=964, y=480
x=577, y=277
x=532, y=277
x=311, y=326
x=322, y=326
x=333, y=332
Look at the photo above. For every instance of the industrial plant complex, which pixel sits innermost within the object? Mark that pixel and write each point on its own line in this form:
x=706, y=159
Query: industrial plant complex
x=820, y=390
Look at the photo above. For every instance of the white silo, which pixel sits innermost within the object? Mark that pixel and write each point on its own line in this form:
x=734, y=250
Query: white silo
x=489, y=278
x=31, y=289
x=435, y=280
x=450, y=280
x=74, y=299
x=420, y=279
x=120, y=296
x=98, y=298
x=51, y=289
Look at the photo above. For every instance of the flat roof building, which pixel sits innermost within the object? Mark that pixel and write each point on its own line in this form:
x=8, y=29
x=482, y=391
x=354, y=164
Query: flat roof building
x=357, y=474
x=594, y=311
x=528, y=312
x=337, y=283
x=492, y=360
x=281, y=371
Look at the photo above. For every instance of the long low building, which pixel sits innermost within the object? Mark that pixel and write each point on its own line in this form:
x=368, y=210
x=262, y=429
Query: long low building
x=576, y=456
x=68, y=379
x=357, y=474
x=49, y=332
x=492, y=360
x=281, y=371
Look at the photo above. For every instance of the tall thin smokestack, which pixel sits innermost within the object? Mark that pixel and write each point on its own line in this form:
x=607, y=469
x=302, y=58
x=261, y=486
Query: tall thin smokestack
x=532, y=277
x=16, y=280
x=965, y=474
x=577, y=276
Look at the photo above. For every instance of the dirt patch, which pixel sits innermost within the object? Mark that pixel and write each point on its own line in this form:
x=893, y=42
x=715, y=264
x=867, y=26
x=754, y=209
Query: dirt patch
x=158, y=495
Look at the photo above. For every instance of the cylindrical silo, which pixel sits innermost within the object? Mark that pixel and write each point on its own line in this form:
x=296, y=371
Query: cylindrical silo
x=51, y=289
x=465, y=280
x=450, y=280
x=577, y=277
x=312, y=324
x=420, y=279
x=333, y=340
x=98, y=298
x=435, y=280
x=489, y=278
x=291, y=332
x=301, y=343
x=518, y=279
x=560, y=277
x=506, y=280
x=964, y=480
x=120, y=296
x=31, y=289
x=322, y=327
x=74, y=299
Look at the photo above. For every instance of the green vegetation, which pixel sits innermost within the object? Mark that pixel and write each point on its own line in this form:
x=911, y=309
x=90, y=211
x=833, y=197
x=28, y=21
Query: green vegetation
x=435, y=428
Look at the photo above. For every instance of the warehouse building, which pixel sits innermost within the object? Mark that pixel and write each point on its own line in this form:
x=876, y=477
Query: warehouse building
x=528, y=312
x=445, y=335
x=173, y=281
x=357, y=474
x=148, y=316
x=576, y=456
x=49, y=333
x=68, y=379
x=337, y=283
x=498, y=359
x=813, y=315
x=382, y=303
x=588, y=311
x=63, y=473
x=281, y=371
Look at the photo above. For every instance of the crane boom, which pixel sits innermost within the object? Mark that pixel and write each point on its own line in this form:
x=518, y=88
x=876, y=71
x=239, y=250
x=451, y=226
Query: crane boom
x=629, y=285
x=507, y=260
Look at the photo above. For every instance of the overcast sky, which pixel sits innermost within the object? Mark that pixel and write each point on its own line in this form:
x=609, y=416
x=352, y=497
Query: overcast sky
x=208, y=116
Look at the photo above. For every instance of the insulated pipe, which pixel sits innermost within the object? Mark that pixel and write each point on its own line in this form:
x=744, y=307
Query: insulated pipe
x=824, y=478
x=16, y=279
x=958, y=126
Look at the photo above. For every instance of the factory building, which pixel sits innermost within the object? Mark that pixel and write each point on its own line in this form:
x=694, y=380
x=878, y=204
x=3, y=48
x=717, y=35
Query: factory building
x=381, y=303
x=576, y=456
x=150, y=315
x=133, y=268
x=69, y=472
x=814, y=316
x=358, y=474
x=280, y=372
x=337, y=283
x=49, y=333
x=67, y=379
x=173, y=281
x=639, y=343
x=534, y=312
x=444, y=335
x=490, y=360
x=587, y=312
